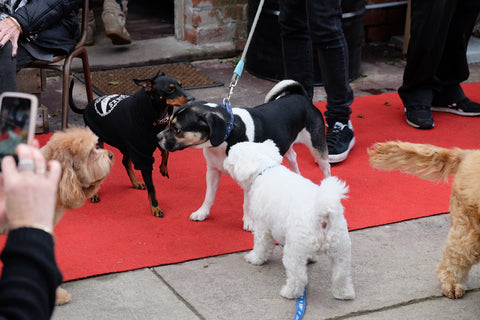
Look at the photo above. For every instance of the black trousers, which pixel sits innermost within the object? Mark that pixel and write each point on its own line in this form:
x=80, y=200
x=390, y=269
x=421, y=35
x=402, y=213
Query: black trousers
x=303, y=22
x=11, y=65
x=436, y=56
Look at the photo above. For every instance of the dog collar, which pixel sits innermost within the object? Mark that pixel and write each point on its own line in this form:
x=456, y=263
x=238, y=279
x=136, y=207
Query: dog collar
x=264, y=170
x=229, y=129
x=164, y=120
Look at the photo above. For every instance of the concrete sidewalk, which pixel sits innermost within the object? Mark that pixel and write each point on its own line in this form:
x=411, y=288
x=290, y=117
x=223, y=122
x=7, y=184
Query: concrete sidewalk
x=393, y=265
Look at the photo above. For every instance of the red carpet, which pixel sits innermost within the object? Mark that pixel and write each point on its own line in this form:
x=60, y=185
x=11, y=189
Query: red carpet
x=119, y=233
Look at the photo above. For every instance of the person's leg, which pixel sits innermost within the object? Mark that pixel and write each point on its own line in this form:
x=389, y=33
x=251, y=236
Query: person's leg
x=10, y=66
x=296, y=43
x=114, y=18
x=453, y=67
x=8, y=75
x=328, y=39
x=430, y=22
x=327, y=36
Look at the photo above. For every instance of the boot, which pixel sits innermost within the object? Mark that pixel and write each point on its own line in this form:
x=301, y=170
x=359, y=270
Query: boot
x=91, y=26
x=114, y=18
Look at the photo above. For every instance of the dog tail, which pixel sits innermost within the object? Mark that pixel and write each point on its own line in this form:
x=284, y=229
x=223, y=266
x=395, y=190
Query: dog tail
x=329, y=208
x=331, y=192
x=71, y=102
x=286, y=87
x=425, y=161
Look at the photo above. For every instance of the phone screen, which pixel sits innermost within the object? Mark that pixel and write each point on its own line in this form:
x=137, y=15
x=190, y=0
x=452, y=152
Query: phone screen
x=15, y=122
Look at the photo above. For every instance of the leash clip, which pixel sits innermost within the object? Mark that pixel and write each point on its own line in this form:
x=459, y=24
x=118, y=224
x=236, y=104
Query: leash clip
x=233, y=84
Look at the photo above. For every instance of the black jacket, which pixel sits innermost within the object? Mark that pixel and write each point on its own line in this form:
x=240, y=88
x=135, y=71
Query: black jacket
x=50, y=24
x=30, y=275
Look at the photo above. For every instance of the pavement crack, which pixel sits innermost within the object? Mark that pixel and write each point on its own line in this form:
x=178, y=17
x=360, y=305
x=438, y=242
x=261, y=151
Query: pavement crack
x=178, y=295
x=394, y=306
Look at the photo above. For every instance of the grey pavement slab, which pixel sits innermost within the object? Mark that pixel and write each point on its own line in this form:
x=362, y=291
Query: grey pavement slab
x=138, y=294
x=393, y=271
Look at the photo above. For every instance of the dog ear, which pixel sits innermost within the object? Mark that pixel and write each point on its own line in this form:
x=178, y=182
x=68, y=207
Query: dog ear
x=146, y=84
x=271, y=150
x=236, y=167
x=218, y=128
x=70, y=192
x=160, y=73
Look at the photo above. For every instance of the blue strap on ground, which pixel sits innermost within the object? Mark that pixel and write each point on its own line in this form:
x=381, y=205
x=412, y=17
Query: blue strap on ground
x=301, y=306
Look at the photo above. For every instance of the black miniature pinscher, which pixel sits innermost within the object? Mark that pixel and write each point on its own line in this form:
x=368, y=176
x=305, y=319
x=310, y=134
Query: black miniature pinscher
x=130, y=123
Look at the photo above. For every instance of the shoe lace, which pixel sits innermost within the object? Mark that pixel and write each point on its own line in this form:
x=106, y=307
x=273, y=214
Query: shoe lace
x=333, y=134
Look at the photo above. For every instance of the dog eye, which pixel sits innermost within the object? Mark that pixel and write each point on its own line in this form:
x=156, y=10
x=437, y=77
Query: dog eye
x=176, y=129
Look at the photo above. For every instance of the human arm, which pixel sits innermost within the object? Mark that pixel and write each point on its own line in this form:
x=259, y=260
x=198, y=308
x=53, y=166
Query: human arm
x=30, y=275
x=39, y=15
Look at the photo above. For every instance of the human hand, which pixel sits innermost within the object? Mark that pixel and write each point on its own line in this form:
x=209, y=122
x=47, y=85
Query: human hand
x=28, y=195
x=9, y=31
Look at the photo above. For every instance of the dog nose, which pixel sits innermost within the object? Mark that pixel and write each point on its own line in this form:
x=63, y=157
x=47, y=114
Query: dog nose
x=190, y=98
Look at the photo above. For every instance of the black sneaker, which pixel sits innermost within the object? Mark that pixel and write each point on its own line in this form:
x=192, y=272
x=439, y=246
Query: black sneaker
x=419, y=117
x=340, y=141
x=465, y=107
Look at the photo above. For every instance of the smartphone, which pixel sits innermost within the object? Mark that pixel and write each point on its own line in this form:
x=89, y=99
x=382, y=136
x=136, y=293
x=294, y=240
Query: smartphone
x=18, y=115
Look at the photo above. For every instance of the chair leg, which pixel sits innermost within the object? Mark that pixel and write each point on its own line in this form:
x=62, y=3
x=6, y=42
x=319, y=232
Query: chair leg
x=65, y=91
x=66, y=83
x=87, y=76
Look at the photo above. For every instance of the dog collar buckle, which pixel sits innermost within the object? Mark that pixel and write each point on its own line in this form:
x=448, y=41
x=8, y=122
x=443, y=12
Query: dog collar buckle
x=164, y=121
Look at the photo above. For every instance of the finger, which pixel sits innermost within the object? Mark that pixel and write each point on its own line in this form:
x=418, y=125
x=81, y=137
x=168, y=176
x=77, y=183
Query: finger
x=8, y=167
x=14, y=48
x=35, y=143
x=24, y=152
x=26, y=162
x=39, y=161
x=54, y=171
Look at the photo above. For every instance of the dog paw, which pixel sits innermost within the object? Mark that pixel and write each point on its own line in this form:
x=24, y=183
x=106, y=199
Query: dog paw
x=247, y=224
x=198, y=215
x=453, y=291
x=344, y=294
x=62, y=297
x=140, y=186
x=95, y=199
x=157, y=212
x=164, y=171
x=253, y=258
x=291, y=293
x=342, y=288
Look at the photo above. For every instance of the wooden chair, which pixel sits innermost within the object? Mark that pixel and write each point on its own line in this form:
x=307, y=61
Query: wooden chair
x=79, y=52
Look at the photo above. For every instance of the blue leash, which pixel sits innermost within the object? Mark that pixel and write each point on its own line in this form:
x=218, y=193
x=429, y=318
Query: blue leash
x=301, y=306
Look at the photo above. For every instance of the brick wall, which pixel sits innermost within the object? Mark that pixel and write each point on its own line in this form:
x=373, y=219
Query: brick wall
x=210, y=21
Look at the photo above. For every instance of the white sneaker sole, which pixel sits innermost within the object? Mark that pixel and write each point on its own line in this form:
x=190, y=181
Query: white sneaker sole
x=456, y=111
x=336, y=158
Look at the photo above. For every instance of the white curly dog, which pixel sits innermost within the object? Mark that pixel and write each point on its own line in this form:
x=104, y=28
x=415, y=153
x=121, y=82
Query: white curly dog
x=306, y=218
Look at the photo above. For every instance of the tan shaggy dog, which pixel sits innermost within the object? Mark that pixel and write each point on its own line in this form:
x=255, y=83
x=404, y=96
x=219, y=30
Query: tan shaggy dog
x=462, y=249
x=84, y=168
